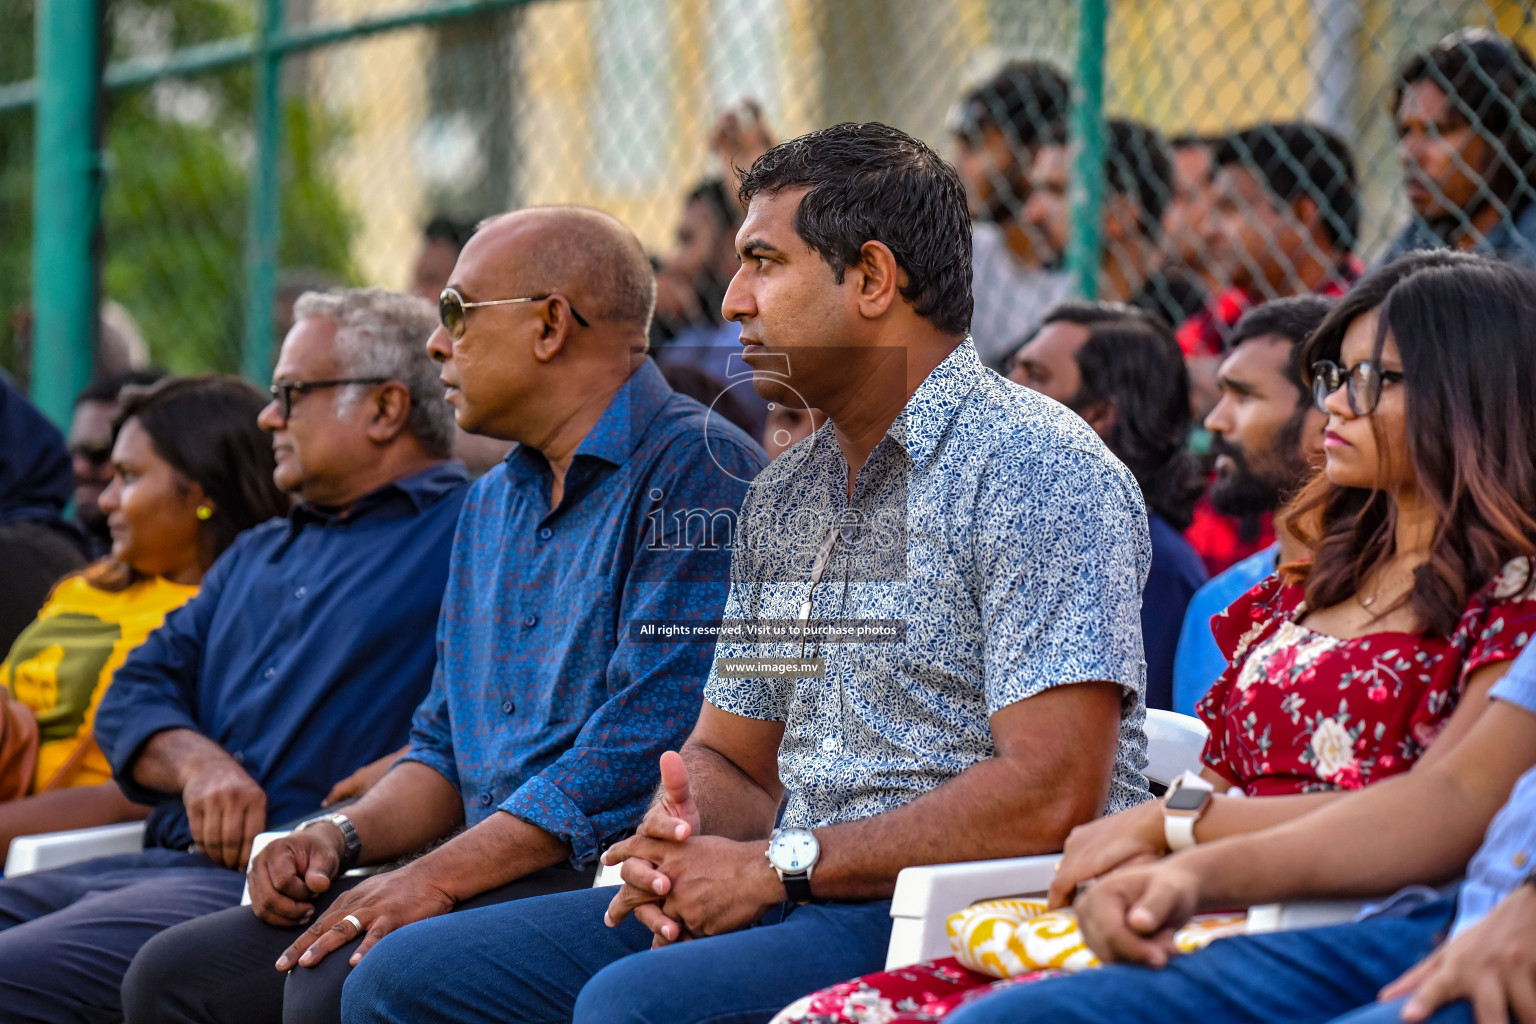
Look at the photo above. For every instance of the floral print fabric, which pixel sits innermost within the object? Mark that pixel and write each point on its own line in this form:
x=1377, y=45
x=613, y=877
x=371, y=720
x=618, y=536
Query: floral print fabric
x=1298, y=711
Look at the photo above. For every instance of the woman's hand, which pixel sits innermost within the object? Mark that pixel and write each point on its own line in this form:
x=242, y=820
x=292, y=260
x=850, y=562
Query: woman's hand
x=1097, y=848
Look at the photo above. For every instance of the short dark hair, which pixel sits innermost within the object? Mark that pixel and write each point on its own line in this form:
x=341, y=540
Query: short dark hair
x=108, y=388
x=1295, y=319
x=1132, y=359
x=871, y=182
x=1022, y=100
x=448, y=231
x=1298, y=160
x=1491, y=82
x=1138, y=165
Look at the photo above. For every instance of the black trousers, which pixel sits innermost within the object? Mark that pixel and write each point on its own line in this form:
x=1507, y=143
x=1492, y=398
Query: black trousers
x=218, y=969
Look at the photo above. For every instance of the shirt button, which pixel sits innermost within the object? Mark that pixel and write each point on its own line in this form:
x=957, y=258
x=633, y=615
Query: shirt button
x=545, y=533
x=298, y=595
x=530, y=620
x=1521, y=859
x=485, y=799
x=829, y=743
x=508, y=706
x=270, y=672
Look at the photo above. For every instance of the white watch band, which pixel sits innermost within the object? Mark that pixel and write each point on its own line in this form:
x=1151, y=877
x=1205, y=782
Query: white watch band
x=1179, y=826
x=1178, y=831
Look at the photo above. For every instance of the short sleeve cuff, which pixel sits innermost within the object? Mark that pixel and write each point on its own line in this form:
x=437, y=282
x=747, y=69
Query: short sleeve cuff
x=544, y=805
x=1518, y=685
x=757, y=699
x=1005, y=694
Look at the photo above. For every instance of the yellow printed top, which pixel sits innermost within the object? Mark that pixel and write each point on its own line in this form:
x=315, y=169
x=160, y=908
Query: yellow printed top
x=61, y=664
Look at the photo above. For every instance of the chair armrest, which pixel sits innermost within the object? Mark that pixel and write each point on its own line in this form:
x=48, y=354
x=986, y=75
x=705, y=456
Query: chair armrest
x=1289, y=917
x=926, y=896
x=55, y=849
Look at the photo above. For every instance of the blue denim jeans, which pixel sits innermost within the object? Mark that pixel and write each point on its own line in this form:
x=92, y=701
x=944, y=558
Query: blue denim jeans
x=1311, y=976
x=68, y=935
x=551, y=959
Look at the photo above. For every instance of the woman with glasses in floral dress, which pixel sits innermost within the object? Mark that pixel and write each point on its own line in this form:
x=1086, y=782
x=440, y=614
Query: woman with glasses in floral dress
x=1378, y=652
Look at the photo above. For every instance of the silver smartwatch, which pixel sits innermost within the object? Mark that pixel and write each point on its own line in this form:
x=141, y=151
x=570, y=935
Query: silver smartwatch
x=1182, y=807
x=354, y=845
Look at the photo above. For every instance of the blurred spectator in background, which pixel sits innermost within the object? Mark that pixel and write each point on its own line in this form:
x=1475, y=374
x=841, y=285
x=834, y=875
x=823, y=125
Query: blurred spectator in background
x=788, y=424
x=1119, y=368
x=1285, y=223
x=997, y=128
x=1267, y=438
x=37, y=546
x=1465, y=112
x=441, y=241
x=190, y=470
x=1138, y=179
x=1286, y=218
x=120, y=344
x=690, y=284
x=1186, y=230
x=705, y=389
x=90, y=449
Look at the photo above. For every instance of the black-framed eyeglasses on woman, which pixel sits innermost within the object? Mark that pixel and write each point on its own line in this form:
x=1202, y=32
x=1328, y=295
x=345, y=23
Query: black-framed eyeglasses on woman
x=1362, y=384
x=452, y=310
x=284, y=390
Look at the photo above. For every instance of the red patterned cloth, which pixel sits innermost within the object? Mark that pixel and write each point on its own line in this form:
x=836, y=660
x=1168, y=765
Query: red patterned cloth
x=918, y=994
x=1301, y=712
x=1296, y=712
x=1222, y=541
x=1206, y=333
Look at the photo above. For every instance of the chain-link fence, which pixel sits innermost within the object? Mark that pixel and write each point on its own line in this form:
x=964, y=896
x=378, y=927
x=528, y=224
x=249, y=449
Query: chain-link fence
x=640, y=107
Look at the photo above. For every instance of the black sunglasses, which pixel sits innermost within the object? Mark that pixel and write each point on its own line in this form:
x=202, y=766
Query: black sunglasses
x=284, y=390
x=1362, y=384
x=452, y=310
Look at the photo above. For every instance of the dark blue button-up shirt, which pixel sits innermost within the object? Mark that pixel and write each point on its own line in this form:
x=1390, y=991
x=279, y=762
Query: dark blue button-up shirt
x=549, y=702
x=304, y=653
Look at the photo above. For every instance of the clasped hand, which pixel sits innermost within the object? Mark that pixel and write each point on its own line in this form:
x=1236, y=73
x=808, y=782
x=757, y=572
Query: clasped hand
x=680, y=884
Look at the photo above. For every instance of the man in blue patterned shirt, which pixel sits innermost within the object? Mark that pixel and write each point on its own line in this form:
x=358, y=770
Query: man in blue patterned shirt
x=981, y=534
x=550, y=703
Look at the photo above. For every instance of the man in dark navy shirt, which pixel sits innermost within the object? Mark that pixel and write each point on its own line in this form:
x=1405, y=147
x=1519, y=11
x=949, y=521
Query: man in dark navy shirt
x=301, y=658
x=554, y=694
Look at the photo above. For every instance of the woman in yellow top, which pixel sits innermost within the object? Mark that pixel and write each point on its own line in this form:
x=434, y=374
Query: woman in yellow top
x=191, y=470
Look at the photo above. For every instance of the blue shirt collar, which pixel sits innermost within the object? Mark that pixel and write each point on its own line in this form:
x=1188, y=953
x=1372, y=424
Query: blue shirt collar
x=927, y=415
x=420, y=490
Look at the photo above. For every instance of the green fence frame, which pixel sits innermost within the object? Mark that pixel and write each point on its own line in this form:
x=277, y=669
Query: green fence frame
x=66, y=92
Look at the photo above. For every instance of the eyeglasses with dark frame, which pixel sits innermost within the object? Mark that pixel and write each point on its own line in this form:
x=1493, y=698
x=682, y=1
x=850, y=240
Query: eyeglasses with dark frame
x=283, y=390
x=452, y=310
x=1362, y=384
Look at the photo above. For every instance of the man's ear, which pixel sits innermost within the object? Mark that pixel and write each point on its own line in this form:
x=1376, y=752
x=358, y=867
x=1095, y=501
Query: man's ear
x=388, y=411
x=553, y=324
x=878, y=279
x=1102, y=417
x=1120, y=218
x=1309, y=214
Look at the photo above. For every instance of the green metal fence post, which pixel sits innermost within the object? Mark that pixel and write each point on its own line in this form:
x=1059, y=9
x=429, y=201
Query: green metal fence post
x=1087, y=192
x=263, y=224
x=66, y=203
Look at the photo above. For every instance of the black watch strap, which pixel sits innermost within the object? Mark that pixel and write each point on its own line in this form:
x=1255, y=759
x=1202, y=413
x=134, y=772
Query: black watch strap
x=798, y=888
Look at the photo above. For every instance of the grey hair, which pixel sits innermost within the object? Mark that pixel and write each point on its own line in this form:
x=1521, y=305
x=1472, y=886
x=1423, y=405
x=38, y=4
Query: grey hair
x=384, y=334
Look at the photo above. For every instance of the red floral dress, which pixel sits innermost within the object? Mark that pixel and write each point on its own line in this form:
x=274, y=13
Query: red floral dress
x=1295, y=712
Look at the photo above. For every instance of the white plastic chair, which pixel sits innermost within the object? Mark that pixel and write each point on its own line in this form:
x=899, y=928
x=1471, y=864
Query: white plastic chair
x=926, y=896
x=56, y=849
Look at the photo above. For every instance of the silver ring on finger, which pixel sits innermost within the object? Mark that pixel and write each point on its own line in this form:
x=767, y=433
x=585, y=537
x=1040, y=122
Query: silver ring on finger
x=355, y=923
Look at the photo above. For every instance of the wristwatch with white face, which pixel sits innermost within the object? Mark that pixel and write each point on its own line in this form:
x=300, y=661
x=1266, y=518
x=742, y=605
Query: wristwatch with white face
x=1182, y=807
x=793, y=853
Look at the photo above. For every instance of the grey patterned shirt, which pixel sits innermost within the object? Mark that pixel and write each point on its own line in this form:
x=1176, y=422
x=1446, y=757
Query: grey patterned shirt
x=996, y=526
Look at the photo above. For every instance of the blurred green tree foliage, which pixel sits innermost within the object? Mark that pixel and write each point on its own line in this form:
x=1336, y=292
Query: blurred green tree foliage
x=176, y=158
